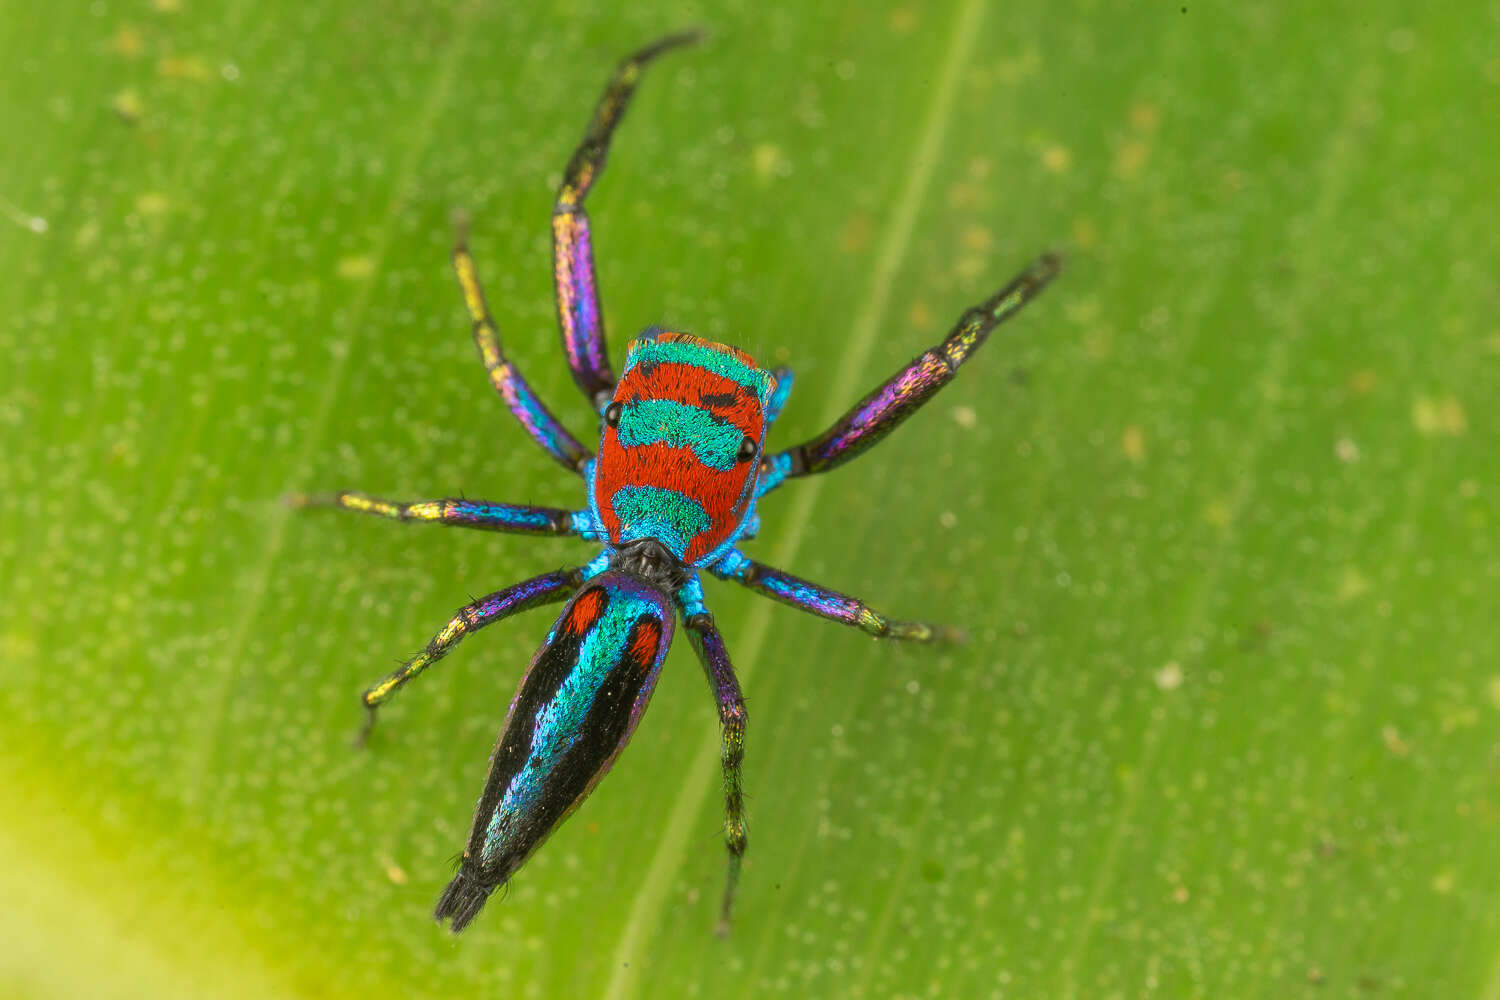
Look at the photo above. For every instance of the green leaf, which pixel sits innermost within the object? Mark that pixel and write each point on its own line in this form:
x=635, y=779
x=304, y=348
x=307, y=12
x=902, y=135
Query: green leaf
x=1218, y=510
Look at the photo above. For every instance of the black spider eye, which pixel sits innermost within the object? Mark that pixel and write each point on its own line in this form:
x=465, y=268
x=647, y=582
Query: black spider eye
x=612, y=414
x=747, y=449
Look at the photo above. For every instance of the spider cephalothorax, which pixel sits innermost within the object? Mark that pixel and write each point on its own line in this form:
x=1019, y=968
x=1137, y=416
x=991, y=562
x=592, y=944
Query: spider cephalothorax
x=680, y=446
x=671, y=492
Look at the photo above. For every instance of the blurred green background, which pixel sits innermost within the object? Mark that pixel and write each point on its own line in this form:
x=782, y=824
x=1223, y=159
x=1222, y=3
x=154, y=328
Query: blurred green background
x=1216, y=509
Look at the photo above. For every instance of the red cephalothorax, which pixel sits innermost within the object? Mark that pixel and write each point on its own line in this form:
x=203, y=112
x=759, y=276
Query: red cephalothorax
x=681, y=444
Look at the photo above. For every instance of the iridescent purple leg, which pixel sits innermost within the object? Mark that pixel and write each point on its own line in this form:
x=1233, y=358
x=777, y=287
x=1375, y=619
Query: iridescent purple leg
x=513, y=518
x=548, y=588
x=726, y=687
x=578, y=313
x=875, y=416
x=534, y=416
x=825, y=603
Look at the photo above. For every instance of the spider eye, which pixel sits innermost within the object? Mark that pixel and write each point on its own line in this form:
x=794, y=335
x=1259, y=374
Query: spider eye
x=612, y=414
x=747, y=449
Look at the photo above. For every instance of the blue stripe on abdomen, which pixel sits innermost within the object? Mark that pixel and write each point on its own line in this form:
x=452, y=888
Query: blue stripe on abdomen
x=600, y=688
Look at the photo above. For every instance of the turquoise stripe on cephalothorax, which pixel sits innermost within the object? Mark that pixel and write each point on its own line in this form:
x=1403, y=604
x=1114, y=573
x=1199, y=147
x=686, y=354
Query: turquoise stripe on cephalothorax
x=712, y=440
x=666, y=515
x=663, y=347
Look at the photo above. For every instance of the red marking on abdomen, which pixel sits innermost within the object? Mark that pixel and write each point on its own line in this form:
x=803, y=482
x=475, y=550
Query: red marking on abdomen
x=586, y=612
x=645, y=640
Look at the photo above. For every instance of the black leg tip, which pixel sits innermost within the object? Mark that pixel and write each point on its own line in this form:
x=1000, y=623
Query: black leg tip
x=677, y=39
x=950, y=635
x=362, y=738
x=460, y=220
x=462, y=900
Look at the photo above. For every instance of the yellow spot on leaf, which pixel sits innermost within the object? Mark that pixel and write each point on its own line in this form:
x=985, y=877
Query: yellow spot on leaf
x=184, y=68
x=902, y=20
x=1435, y=415
x=1391, y=736
x=1346, y=450
x=127, y=104
x=1352, y=584
x=152, y=203
x=87, y=235
x=356, y=268
x=127, y=40
x=1144, y=116
x=1085, y=233
x=17, y=647
x=857, y=233
x=1022, y=66
x=1218, y=513
x=1130, y=158
x=1493, y=690
x=1056, y=158
x=977, y=237
x=769, y=162
x=920, y=316
x=1444, y=881
x=967, y=197
x=972, y=265
x=1099, y=342
x=1133, y=443
x=1083, y=310
x=1362, y=382
x=965, y=417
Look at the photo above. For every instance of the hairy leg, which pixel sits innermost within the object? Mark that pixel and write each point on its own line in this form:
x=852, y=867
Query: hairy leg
x=578, y=312
x=731, y=703
x=548, y=588
x=883, y=410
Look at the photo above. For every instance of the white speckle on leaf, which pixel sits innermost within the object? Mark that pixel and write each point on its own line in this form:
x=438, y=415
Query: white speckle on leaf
x=1169, y=677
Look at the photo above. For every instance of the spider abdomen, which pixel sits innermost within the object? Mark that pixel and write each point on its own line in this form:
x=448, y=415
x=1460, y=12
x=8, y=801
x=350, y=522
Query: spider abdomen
x=573, y=713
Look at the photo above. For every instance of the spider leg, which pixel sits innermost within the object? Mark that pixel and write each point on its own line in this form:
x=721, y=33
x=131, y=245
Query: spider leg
x=879, y=413
x=578, y=313
x=814, y=599
x=533, y=414
x=548, y=588
x=784, y=379
x=774, y=468
x=515, y=518
x=709, y=645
